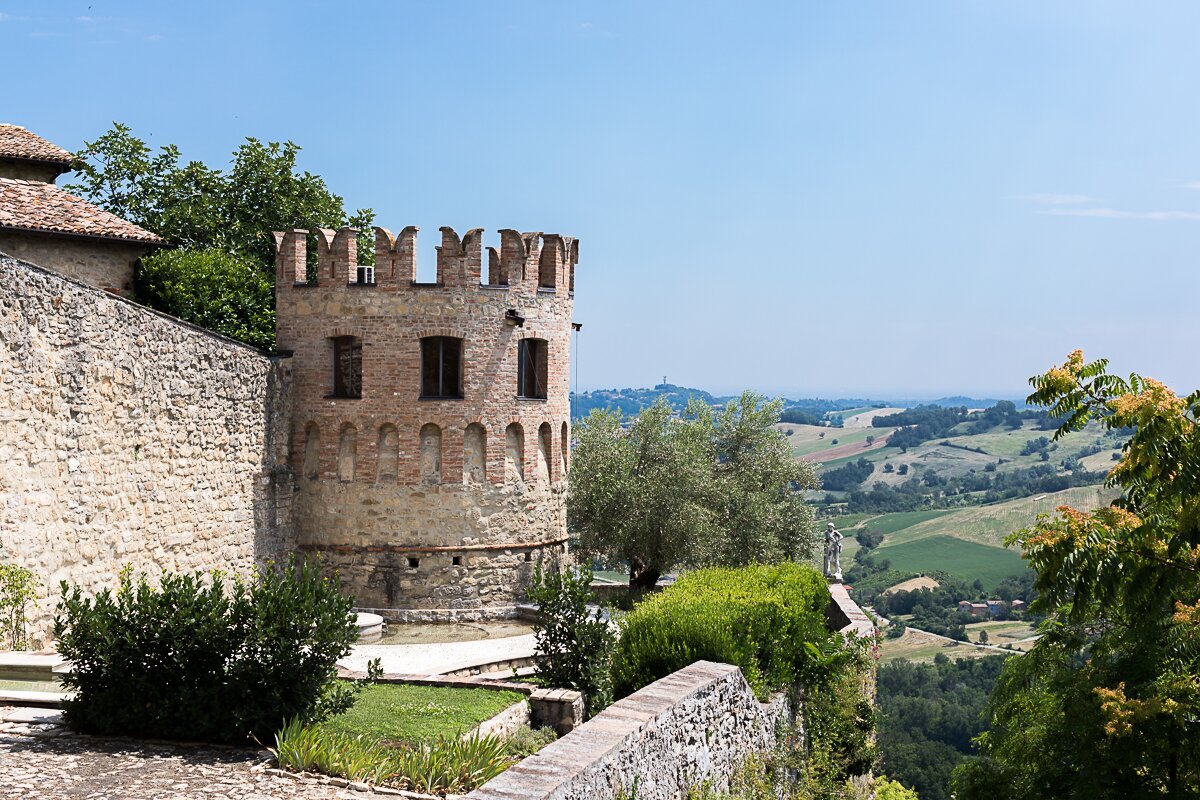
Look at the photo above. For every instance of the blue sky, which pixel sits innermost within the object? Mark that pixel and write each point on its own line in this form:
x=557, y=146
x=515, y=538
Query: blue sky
x=869, y=198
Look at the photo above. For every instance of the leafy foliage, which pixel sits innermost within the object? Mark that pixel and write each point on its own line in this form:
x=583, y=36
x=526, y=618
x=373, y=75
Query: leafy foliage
x=18, y=587
x=573, y=644
x=211, y=288
x=204, y=658
x=928, y=716
x=768, y=620
x=198, y=208
x=705, y=489
x=1106, y=703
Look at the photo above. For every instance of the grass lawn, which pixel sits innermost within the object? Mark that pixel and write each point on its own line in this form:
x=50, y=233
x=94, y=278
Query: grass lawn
x=413, y=714
x=967, y=560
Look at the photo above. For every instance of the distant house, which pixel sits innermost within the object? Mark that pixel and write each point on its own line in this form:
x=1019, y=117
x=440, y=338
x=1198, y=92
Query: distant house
x=976, y=610
x=47, y=226
x=1018, y=605
x=994, y=607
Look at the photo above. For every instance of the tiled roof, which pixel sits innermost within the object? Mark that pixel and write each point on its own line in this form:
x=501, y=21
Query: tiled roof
x=36, y=206
x=16, y=142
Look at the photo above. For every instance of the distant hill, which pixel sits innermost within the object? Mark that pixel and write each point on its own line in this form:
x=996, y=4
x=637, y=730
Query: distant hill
x=632, y=401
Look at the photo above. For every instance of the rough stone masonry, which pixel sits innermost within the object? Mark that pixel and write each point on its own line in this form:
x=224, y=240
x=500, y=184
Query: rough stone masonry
x=128, y=437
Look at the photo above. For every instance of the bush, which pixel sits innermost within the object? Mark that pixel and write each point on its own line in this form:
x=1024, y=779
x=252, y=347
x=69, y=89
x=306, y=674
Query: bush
x=768, y=620
x=216, y=290
x=525, y=741
x=203, y=658
x=573, y=645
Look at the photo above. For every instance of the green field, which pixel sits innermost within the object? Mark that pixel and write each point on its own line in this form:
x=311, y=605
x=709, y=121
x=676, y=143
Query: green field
x=966, y=560
x=891, y=523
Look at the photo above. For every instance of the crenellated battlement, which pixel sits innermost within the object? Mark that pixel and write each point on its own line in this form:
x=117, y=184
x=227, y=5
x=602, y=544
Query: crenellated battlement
x=527, y=262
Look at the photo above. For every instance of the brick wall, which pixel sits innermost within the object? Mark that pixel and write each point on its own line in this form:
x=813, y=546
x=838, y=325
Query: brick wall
x=410, y=498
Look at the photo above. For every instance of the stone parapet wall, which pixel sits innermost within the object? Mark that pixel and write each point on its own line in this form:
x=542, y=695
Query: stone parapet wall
x=696, y=725
x=129, y=437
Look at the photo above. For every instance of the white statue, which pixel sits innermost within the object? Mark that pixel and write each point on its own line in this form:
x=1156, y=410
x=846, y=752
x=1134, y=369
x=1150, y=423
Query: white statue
x=833, y=553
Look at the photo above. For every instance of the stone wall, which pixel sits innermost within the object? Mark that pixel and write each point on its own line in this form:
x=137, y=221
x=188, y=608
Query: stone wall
x=128, y=437
x=429, y=507
x=97, y=262
x=698, y=724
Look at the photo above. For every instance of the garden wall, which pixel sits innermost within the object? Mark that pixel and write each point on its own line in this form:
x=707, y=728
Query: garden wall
x=695, y=725
x=129, y=437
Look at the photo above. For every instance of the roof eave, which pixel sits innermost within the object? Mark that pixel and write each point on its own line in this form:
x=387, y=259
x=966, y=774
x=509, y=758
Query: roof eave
x=156, y=242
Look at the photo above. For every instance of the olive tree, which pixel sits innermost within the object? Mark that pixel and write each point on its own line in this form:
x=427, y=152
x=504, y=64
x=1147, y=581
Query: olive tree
x=661, y=490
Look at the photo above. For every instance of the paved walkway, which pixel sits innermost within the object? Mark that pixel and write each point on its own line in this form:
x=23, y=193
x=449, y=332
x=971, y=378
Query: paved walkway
x=438, y=659
x=74, y=767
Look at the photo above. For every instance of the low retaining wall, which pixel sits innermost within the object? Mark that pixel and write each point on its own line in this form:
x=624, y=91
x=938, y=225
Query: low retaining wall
x=695, y=725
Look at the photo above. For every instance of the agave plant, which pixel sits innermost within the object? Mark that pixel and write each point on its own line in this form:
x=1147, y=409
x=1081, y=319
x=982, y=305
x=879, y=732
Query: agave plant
x=442, y=766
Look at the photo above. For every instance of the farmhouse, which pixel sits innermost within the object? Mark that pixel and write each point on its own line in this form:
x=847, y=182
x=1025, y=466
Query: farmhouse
x=46, y=225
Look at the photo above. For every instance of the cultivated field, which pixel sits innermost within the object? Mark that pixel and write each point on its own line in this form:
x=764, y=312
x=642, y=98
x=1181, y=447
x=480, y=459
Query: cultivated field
x=863, y=418
x=912, y=584
x=991, y=523
x=917, y=645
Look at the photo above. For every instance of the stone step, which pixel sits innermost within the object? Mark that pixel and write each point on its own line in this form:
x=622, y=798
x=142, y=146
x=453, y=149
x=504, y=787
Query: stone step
x=12, y=697
x=20, y=666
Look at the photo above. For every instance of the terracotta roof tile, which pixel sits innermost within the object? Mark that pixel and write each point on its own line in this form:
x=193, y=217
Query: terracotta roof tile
x=16, y=142
x=36, y=206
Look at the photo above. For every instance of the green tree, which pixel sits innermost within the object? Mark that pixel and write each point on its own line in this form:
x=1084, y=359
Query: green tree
x=703, y=489
x=759, y=514
x=640, y=494
x=1107, y=703
x=196, y=207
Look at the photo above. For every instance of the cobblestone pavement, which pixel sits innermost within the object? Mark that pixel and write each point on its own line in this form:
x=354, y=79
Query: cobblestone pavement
x=53, y=764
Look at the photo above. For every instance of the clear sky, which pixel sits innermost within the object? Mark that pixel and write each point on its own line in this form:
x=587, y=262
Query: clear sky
x=835, y=198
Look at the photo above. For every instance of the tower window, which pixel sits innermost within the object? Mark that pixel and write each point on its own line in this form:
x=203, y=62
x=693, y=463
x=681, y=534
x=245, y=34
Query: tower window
x=365, y=276
x=457, y=560
x=347, y=366
x=531, y=368
x=441, y=367
x=413, y=563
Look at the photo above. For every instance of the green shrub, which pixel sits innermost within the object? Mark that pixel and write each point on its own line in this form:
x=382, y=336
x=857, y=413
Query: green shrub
x=525, y=741
x=573, y=645
x=768, y=620
x=205, y=658
x=442, y=766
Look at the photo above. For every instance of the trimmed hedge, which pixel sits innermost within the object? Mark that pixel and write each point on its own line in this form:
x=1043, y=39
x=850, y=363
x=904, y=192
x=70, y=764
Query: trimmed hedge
x=202, y=658
x=768, y=620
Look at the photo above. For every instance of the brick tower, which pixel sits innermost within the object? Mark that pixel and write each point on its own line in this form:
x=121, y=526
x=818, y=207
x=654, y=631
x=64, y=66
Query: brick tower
x=430, y=421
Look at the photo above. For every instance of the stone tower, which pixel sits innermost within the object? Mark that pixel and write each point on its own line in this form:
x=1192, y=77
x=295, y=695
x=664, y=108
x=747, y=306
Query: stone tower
x=430, y=421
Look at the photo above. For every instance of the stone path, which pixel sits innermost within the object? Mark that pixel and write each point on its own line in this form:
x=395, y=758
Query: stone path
x=437, y=659
x=50, y=763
